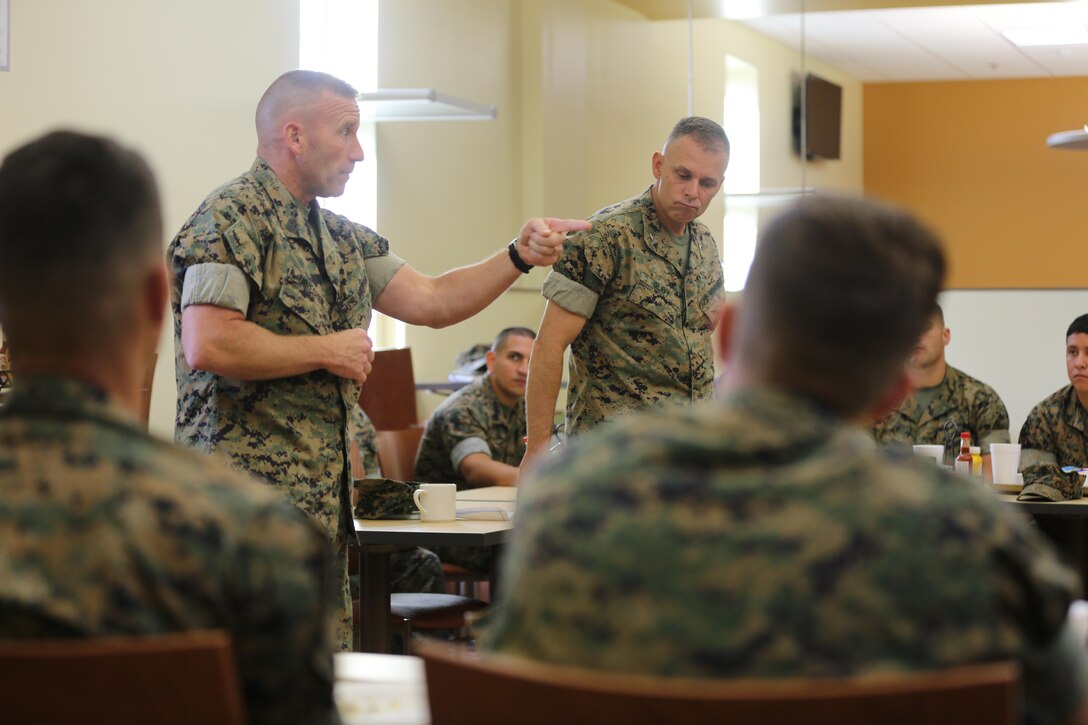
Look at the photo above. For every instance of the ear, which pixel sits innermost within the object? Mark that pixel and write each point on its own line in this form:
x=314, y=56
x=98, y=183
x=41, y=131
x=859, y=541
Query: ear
x=292, y=137
x=726, y=318
x=655, y=164
x=490, y=358
x=946, y=337
x=899, y=390
x=156, y=293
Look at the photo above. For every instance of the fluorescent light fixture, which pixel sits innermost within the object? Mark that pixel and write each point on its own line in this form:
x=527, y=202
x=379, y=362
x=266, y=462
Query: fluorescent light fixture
x=1054, y=35
x=1074, y=140
x=420, y=104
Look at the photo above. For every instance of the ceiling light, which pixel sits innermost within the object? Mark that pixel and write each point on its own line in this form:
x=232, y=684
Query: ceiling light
x=420, y=104
x=1057, y=35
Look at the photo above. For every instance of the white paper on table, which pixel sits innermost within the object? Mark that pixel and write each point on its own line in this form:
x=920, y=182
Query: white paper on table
x=485, y=513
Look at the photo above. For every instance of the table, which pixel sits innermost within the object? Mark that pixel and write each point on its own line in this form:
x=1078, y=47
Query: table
x=374, y=689
x=380, y=538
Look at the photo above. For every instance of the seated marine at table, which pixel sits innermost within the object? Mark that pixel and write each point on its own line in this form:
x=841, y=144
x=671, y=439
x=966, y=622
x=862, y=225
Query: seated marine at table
x=764, y=534
x=1055, y=433
x=476, y=437
x=105, y=529
x=944, y=403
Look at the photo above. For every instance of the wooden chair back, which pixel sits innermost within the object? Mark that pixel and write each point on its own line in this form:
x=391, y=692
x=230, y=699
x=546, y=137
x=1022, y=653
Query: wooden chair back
x=469, y=687
x=397, y=452
x=187, y=677
x=389, y=394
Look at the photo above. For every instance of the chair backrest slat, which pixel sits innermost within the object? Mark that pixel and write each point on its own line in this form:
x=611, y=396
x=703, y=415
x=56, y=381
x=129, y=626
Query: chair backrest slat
x=186, y=677
x=465, y=687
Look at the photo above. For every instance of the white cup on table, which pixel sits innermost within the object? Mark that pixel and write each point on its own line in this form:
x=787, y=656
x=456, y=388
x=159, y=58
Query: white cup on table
x=436, y=501
x=936, y=452
x=1005, y=461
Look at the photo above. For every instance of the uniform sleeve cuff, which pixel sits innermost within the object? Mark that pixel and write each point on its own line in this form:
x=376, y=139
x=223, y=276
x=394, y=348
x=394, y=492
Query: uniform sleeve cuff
x=466, y=448
x=214, y=283
x=570, y=295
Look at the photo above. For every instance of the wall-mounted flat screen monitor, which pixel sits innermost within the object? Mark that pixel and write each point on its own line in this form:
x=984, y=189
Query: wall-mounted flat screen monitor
x=822, y=104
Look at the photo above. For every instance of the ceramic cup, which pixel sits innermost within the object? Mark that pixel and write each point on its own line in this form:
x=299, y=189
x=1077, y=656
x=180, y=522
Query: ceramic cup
x=436, y=501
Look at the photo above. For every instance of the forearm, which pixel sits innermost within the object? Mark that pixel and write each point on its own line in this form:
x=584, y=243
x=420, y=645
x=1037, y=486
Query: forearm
x=463, y=292
x=480, y=469
x=541, y=392
x=240, y=349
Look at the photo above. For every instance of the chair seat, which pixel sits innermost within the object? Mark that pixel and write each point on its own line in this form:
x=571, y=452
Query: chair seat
x=432, y=611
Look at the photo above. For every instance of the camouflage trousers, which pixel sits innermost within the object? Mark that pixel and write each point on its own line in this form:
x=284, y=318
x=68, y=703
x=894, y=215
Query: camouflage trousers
x=481, y=558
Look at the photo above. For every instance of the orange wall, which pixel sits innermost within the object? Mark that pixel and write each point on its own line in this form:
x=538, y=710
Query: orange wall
x=971, y=158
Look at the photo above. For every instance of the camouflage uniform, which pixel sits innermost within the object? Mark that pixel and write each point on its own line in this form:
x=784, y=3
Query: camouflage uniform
x=293, y=270
x=646, y=341
x=763, y=537
x=362, y=431
x=962, y=404
x=1055, y=434
x=472, y=420
x=105, y=530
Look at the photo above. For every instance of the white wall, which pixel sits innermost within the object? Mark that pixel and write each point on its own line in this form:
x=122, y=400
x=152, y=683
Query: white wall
x=178, y=81
x=1012, y=340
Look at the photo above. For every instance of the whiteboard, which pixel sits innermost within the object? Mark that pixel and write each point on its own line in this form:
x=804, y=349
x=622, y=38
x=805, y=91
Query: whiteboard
x=1012, y=340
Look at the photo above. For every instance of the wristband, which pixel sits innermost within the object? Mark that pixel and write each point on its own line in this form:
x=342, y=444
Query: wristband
x=512, y=248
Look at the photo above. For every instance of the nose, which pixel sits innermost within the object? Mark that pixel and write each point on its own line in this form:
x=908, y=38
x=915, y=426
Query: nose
x=356, y=151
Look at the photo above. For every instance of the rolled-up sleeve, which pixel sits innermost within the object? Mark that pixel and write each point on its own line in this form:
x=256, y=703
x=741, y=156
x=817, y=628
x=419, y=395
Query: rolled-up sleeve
x=214, y=283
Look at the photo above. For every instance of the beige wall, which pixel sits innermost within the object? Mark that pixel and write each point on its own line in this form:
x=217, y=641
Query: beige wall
x=177, y=81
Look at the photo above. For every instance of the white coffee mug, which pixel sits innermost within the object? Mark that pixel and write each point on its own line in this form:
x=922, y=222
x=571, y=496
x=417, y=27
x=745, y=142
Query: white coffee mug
x=436, y=501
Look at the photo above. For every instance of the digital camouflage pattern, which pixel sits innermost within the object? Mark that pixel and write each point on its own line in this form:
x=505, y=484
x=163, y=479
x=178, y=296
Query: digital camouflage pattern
x=289, y=431
x=474, y=413
x=1055, y=434
x=105, y=530
x=647, y=342
x=962, y=404
x=362, y=431
x=760, y=536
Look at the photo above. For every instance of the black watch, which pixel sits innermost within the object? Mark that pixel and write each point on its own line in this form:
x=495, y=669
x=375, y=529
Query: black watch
x=512, y=248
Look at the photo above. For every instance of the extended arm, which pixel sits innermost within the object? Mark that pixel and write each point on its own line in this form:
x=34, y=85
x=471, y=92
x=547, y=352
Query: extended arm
x=460, y=293
x=558, y=330
x=480, y=469
x=222, y=341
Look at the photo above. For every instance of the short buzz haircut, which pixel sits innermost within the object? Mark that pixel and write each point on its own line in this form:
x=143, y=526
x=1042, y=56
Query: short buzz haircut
x=709, y=134
x=839, y=291
x=1078, y=325
x=938, y=313
x=80, y=227
x=504, y=334
x=297, y=88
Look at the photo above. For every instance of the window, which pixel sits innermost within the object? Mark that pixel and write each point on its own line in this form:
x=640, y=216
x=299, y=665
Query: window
x=341, y=37
x=742, y=183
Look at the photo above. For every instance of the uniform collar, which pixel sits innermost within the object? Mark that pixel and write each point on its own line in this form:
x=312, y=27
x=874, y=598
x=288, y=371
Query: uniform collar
x=303, y=221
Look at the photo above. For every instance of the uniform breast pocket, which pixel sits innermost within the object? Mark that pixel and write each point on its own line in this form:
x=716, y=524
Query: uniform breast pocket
x=656, y=300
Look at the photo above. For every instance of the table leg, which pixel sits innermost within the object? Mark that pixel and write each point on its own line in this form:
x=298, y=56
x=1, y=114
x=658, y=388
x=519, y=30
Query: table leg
x=374, y=599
